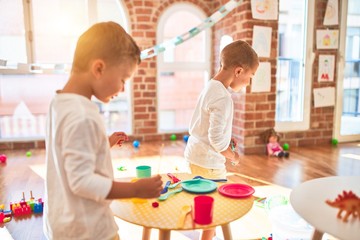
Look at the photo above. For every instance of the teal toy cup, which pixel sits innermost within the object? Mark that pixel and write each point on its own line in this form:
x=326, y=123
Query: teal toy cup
x=143, y=171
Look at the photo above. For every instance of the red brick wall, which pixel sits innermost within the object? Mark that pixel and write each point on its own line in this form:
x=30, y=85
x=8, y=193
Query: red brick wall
x=254, y=112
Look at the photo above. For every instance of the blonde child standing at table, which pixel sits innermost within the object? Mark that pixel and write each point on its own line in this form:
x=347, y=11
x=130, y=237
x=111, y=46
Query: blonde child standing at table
x=79, y=179
x=209, y=144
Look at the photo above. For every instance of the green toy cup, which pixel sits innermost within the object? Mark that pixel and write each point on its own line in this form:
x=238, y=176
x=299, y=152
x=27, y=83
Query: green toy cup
x=143, y=171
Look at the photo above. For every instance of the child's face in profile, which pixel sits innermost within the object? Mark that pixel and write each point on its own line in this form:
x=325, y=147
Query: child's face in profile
x=243, y=79
x=113, y=80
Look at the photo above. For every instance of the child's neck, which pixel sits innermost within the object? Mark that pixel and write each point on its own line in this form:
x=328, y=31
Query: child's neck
x=225, y=77
x=78, y=83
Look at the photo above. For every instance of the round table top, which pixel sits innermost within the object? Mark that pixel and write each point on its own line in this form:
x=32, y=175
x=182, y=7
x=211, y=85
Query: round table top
x=167, y=214
x=308, y=200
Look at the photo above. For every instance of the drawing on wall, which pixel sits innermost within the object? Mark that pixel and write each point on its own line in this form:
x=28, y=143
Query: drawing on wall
x=262, y=40
x=324, y=97
x=332, y=13
x=326, y=68
x=327, y=39
x=261, y=82
x=264, y=9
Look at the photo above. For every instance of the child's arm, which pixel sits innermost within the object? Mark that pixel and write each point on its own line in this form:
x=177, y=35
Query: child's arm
x=280, y=147
x=118, y=138
x=142, y=188
x=232, y=155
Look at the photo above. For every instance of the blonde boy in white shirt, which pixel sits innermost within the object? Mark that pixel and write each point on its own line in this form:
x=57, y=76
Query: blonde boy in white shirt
x=211, y=125
x=79, y=179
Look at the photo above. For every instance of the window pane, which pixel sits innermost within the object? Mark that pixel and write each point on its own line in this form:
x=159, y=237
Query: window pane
x=179, y=93
x=24, y=103
x=12, y=32
x=57, y=24
x=290, y=71
x=350, y=119
x=189, y=51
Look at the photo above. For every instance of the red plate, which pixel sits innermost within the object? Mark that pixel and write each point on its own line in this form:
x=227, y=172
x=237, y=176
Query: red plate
x=236, y=190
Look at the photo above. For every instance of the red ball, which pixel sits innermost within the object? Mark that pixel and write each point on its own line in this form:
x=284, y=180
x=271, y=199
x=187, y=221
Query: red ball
x=3, y=158
x=155, y=204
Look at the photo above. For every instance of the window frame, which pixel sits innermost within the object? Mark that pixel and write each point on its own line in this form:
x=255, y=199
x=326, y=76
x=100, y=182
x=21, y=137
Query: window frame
x=288, y=126
x=180, y=66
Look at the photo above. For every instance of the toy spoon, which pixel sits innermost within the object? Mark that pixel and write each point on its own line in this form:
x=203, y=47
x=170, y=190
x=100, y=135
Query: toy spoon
x=214, y=180
x=166, y=195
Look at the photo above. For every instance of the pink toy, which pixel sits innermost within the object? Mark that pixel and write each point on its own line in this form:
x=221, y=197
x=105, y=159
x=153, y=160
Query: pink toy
x=3, y=158
x=273, y=147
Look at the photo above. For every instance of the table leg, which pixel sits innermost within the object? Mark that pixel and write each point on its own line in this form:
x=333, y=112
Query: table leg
x=164, y=234
x=226, y=231
x=317, y=235
x=146, y=233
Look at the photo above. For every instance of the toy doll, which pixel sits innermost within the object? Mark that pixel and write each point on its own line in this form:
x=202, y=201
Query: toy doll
x=273, y=147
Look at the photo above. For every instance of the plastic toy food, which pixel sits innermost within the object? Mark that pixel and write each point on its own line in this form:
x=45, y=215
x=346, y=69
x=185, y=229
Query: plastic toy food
x=348, y=202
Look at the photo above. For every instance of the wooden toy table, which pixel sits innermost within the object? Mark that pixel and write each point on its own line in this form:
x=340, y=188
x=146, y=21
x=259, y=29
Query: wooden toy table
x=166, y=215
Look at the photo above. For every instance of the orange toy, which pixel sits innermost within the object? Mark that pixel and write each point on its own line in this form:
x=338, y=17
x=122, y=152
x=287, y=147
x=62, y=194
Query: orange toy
x=348, y=202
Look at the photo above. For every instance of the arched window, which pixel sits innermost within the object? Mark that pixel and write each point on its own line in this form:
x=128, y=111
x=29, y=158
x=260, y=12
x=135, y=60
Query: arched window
x=182, y=70
x=37, y=43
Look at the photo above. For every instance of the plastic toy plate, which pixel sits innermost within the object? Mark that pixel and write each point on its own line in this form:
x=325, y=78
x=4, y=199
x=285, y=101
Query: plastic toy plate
x=199, y=186
x=236, y=190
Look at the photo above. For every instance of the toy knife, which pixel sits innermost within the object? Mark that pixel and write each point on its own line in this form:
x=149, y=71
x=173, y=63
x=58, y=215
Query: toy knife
x=173, y=178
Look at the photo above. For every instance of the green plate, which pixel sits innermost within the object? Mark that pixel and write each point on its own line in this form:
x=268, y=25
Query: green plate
x=199, y=186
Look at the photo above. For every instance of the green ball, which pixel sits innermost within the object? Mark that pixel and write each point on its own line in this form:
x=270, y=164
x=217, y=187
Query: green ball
x=173, y=137
x=28, y=154
x=286, y=146
x=334, y=141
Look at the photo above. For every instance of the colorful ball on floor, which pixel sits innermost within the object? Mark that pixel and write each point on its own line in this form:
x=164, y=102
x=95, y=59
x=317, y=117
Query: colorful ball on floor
x=28, y=154
x=186, y=138
x=173, y=137
x=136, y=144
x=286, y=146
x=334, y=142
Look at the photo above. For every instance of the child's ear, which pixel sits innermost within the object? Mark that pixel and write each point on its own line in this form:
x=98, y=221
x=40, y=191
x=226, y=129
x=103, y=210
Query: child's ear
x=97, y=67
x=238, y=71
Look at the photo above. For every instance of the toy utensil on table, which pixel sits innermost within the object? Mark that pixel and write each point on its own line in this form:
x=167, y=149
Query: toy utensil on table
x=214, y=180
x=189, y=180
x=184, y=211
x=166, y=195
x=173, y=178
x=165, y=189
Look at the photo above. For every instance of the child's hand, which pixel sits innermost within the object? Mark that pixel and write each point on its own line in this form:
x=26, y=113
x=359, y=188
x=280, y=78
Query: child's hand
x=118, y=138
x=233, y=144
x=236, y=159
x=148, y=187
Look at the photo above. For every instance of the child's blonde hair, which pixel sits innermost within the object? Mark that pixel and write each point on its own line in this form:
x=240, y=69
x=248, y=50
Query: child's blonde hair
x=238, y=53
x=107, y=41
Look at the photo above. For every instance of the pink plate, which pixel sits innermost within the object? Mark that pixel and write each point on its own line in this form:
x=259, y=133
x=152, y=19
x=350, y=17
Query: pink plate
x=236, y=190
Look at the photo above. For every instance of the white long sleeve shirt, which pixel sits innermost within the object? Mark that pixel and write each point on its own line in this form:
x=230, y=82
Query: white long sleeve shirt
x=79, y=172
x=210, y=127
